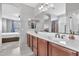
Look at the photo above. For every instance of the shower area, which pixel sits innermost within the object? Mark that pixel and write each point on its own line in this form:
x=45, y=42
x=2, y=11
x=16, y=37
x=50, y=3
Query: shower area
x=10, y=23
x=10, y=30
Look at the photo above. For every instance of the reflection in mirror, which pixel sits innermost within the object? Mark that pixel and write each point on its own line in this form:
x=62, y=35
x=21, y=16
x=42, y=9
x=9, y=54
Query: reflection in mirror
x=54, y=24
x=57, y=18
x=72, y=10
x=59, y=24
x=46, y=25
x=41, y=22
x=62, y=24
x=32, y=23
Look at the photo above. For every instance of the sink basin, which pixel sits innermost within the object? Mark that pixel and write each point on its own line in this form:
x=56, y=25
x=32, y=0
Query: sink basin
x=52, y=38
x=63, y=42
x=59, y=40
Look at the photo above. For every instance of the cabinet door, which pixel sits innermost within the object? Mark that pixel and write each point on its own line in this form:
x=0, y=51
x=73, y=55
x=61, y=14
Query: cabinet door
x=31, y=42
x=42, y=47
x=57, y=50
x=28, y=39
x=78, y=53
x=50, y=49
x=34, y=42
x=35, y=45
x=35, y=51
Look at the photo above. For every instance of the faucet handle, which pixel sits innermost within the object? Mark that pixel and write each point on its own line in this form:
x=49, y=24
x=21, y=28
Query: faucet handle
x=62, y=36
x=57, y=35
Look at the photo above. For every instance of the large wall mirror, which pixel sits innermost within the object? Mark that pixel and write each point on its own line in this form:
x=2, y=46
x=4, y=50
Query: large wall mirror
x=69, y=21
x=62, y=18
x=72, y=15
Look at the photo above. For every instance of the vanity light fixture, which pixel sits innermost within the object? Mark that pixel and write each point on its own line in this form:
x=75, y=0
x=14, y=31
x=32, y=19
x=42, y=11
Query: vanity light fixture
x=40, y=7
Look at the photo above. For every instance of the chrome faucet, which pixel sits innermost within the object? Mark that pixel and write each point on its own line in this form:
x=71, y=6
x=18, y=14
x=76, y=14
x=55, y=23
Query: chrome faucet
x=62, y=36
x=36, y=31
x=57, y=35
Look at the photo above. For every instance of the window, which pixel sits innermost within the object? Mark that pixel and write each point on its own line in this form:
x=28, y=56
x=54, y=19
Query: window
x=9, y=25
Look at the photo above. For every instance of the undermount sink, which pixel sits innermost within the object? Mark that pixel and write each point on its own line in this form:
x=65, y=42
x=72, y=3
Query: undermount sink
x=59, y=40
x=63, y=42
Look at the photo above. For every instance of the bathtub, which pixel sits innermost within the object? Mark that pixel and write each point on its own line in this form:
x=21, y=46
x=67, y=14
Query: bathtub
x=8, y=37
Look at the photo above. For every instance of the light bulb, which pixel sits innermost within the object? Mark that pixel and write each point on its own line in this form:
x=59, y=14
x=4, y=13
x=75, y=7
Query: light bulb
x=51, y=5
x=29, y=19
x=40, y=7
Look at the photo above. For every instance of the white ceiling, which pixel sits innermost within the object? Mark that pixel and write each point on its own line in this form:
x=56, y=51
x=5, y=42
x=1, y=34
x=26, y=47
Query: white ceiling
x=59, y=8
x=13, y=12
x=32, y=4
x=10, y=11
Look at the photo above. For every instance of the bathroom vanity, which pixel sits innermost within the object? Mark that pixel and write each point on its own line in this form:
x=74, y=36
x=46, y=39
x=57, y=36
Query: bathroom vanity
x=42, y=45
x=45, y=43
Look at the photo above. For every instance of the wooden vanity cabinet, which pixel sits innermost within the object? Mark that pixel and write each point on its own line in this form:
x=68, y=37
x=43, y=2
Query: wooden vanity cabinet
x=31, y=42
x=28, y=40
x=42, y=47
x=35, y=45
x=56, y=50
x=78, y=54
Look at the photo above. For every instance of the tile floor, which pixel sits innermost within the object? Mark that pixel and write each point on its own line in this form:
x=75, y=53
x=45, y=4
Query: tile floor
x=13, y=49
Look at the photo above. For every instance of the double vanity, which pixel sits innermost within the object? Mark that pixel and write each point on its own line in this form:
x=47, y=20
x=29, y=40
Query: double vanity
x=46, y=44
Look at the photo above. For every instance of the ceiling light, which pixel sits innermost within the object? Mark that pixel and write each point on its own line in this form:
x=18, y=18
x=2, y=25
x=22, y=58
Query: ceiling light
x=16, y=15
x=29, y=19
x=45, y=6
x=40, y=7
x=51, y=5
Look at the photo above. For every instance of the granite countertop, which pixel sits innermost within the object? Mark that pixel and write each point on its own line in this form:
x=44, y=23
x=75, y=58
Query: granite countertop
x=71, y=44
